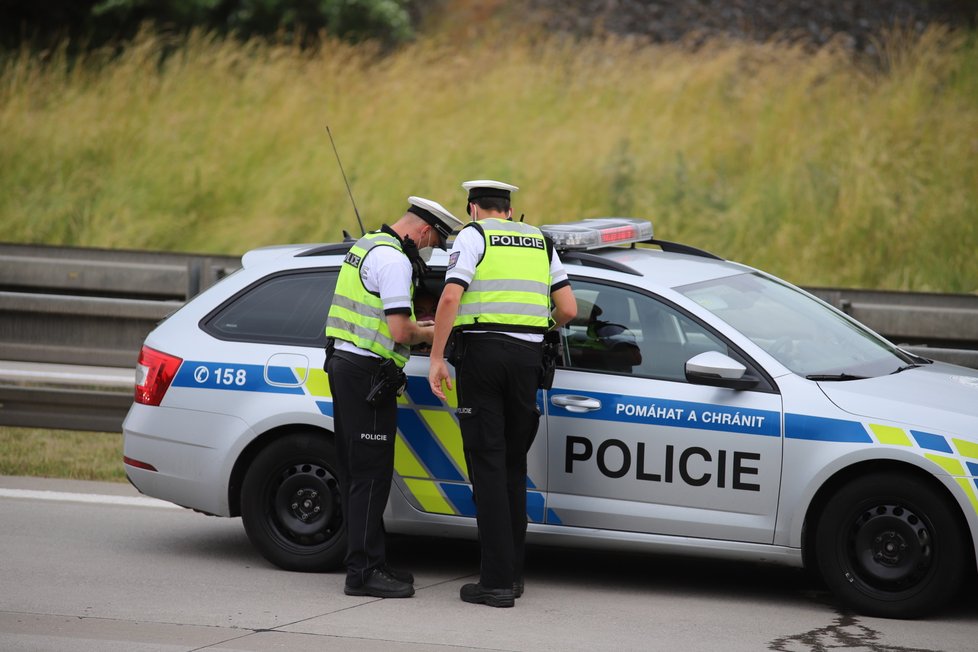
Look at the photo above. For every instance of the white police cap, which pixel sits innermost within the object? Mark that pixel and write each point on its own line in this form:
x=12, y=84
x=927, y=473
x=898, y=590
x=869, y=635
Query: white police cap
x=488, y=188
x=440, y=219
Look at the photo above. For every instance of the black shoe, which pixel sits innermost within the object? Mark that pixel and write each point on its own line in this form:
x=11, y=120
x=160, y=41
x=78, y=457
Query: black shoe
x=380, y=584
x=478, y=594
x=399, y=575
x=518, y=588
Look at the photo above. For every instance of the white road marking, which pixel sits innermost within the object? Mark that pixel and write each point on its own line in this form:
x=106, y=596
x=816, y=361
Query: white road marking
x=102, y=499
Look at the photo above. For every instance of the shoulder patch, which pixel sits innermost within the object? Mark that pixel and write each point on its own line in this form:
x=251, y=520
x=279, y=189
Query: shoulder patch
x=453, y=259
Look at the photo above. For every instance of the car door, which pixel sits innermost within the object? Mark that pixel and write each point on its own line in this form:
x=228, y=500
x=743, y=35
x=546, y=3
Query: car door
x=429, y=463
x=635, y=447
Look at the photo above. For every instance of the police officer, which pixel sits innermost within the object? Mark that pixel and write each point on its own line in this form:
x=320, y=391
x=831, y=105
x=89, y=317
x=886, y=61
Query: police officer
x=501, y=278
x=370, y=329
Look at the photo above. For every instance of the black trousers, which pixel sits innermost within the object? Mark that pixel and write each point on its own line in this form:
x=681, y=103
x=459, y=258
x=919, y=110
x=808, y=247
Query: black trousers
x=365, y=452
x=497, y=387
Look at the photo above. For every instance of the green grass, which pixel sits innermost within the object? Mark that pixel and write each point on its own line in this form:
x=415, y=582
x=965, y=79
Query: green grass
x=61, y=454
x=812, y=166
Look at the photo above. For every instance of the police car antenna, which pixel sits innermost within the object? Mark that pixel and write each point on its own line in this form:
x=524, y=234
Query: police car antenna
x=332, y=142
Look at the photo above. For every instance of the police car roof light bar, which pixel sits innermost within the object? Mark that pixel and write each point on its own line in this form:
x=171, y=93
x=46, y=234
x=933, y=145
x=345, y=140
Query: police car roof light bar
x=598, y=232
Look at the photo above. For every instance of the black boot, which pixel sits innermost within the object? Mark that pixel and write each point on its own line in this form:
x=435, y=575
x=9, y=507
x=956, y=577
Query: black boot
x=380, y=584
x=478, y=594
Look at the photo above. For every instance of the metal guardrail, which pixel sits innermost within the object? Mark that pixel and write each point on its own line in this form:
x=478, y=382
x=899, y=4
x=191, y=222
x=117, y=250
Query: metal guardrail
x=936, y=326
x=86, y=306
x=72, y=321
x=123, y=273
x=75, y=397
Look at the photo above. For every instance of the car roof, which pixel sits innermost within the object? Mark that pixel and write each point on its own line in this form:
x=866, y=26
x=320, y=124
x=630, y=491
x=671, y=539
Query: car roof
x=286, y=252
x=660, y=268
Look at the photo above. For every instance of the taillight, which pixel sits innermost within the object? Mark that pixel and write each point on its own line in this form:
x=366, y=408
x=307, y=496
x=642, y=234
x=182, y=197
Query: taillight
x=154, y=373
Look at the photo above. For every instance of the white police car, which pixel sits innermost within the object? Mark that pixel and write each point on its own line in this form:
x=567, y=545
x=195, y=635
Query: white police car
x=702, y=407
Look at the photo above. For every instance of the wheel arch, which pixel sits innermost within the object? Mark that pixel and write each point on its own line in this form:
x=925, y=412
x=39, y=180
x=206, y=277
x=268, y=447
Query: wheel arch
x=251, y=451
x=845, y=475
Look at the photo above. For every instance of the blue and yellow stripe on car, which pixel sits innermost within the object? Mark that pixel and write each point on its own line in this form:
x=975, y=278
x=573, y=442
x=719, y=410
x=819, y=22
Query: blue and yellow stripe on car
x=945, y=452
x=429, y=458
x=428, y=454
x=317, y=384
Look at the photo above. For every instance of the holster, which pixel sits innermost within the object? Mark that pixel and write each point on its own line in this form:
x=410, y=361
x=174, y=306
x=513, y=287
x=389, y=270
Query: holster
x=551, y=353
x=455, y=348
x=329, y=349
x=388, y=383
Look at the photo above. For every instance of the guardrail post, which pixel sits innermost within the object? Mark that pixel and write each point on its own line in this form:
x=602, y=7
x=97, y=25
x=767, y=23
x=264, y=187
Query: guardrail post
x=193, y=279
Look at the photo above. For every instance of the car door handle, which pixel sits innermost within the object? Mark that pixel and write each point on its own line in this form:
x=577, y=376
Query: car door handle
x=573, y=403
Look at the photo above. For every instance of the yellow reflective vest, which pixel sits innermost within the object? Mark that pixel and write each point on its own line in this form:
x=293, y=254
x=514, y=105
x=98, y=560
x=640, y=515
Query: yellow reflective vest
x=511, y=287
x=357, y=314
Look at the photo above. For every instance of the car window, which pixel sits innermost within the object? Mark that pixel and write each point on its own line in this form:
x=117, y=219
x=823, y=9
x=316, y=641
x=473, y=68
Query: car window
x=802, y=333
x=621, y=331
x=287, y=308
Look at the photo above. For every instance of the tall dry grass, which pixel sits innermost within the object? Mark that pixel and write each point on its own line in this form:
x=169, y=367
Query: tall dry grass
x=811, y=166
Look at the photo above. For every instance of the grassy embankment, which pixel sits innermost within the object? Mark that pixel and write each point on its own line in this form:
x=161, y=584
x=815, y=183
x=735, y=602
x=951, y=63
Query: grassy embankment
x=816, y=168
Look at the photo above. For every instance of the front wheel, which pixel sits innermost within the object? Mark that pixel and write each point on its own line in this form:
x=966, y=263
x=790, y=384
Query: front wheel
x=890, y=545
x=290, y=504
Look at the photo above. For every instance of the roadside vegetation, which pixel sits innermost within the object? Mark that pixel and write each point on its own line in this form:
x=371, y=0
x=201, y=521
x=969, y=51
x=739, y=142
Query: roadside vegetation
x=816, y=166
x=61, y=454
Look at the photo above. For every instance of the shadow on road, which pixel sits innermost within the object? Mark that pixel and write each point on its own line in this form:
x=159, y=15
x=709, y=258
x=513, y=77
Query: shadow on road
x=593, y=570
x=654, y=573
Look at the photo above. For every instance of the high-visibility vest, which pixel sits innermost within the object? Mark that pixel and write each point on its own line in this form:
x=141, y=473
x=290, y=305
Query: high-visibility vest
x=511, y=287
x=357, y=314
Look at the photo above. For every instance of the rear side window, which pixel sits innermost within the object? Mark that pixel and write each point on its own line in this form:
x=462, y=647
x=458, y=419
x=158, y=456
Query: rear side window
x=286, y=308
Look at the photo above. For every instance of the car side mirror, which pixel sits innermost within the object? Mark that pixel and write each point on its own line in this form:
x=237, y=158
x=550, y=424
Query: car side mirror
x=718, y=370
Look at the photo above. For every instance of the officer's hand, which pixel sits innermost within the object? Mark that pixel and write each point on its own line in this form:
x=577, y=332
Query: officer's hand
x=437, y=372
x=426, y=331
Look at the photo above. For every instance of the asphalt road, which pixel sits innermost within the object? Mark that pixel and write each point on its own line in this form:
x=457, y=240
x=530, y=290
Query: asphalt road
x=91, y=566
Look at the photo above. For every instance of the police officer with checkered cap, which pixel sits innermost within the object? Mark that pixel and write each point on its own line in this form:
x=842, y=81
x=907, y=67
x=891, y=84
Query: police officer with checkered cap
x=370, y=330
x=504, y=288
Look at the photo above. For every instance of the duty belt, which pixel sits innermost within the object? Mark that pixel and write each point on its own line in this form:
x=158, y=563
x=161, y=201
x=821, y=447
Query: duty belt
x=472, y=338
x=367, y=362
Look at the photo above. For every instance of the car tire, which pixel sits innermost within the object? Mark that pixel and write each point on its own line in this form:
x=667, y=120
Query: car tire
x=891, y=546
x=290, y=504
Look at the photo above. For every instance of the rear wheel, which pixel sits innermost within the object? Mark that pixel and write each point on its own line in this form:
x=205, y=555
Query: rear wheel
x=290, y=504
x=890, y=545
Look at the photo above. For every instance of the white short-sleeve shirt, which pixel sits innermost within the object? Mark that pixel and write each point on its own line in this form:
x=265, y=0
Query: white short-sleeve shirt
x=468, y=249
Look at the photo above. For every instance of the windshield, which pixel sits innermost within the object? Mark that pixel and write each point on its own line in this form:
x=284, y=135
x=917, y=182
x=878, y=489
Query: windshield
x=799, y=332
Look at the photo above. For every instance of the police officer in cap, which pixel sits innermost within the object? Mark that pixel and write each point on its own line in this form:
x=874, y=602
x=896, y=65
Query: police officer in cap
x=502, y=276
x=370, y=330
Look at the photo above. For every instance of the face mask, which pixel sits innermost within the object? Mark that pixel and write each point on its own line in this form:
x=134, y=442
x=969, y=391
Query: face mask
x=425, y=252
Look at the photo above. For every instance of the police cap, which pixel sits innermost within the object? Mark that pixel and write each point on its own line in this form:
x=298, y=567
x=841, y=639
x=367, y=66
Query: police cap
x=442, y=221
x=488, y=188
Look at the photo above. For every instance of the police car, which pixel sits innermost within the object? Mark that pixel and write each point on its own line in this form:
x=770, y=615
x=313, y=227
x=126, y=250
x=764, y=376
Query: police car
x=701, y=407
